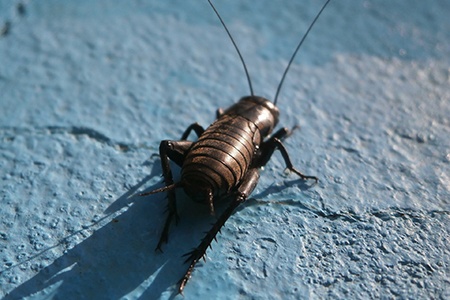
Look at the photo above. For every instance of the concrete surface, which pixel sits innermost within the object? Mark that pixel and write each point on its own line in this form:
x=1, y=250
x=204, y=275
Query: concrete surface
x=89, y=88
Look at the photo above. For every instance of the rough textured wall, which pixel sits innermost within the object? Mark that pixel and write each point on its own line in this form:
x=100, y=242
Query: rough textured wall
x=89, y=88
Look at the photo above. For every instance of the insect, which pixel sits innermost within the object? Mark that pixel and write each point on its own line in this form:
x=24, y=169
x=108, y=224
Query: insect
x=225, y=160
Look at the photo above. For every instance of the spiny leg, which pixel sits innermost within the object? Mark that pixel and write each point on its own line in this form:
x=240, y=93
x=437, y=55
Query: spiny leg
x=172, y=204
x=174, y=150
x=243, y=191
x=195, y=255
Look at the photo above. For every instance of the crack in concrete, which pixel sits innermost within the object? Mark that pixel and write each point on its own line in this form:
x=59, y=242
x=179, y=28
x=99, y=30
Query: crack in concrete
x=351, y=216
x=9, y=133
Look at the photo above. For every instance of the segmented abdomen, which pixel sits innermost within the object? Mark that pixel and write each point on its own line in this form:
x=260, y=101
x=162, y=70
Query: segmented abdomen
x=221, y=156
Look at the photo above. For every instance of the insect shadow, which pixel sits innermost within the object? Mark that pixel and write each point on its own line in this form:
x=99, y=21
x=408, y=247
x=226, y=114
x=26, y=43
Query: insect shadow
x=117, y=259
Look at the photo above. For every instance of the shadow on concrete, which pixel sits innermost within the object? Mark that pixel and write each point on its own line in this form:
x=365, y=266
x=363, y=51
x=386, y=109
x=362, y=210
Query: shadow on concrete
x=119, y=258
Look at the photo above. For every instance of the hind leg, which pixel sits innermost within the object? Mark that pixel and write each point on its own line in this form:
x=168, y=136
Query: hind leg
x=242, y=193
x=175, y=151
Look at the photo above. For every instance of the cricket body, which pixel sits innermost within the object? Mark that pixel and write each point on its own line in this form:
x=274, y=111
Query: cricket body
x=223, y=157
x=225, y=160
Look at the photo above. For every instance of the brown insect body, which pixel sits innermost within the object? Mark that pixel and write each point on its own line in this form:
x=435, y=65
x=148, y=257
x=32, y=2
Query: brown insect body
x=219, y=160
x=226, y=159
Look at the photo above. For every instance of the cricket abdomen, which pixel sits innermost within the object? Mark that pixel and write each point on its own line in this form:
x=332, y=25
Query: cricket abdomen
x=221, y=157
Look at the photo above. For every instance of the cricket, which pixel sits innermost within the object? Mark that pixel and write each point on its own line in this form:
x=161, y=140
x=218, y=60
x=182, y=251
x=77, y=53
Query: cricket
x=225, y=161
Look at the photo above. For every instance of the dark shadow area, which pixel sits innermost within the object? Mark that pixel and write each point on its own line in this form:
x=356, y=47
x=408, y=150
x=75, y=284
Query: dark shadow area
x=120, y=258
x=274, y=189
x=303, y=185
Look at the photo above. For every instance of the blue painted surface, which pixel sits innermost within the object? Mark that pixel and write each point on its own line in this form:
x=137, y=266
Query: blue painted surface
x=88, y=89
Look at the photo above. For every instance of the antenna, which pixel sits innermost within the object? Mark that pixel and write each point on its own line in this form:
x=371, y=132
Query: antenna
x=235, y=46
x=296, y=50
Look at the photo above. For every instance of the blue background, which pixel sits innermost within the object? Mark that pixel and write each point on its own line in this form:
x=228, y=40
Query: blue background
x=89, y=88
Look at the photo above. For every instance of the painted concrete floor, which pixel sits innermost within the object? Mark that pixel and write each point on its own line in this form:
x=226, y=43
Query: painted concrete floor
x=89, y=88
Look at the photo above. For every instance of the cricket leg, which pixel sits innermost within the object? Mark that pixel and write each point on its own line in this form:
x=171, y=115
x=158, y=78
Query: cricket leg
x=242, y=193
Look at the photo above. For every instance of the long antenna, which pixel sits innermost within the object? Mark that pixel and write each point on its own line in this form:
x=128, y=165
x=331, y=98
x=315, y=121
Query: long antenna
x=235, y=46
x=296, y=50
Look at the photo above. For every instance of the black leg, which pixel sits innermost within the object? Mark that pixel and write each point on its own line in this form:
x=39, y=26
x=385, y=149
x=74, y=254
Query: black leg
x=175, y=151
x=281, y=134
x=196, y=127
x=243, y=191
x=274, y=142
x=288, y=162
